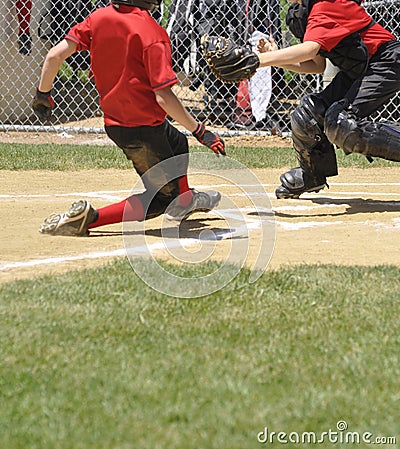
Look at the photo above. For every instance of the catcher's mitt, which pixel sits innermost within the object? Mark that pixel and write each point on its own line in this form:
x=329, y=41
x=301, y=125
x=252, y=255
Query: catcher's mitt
x=227, y=61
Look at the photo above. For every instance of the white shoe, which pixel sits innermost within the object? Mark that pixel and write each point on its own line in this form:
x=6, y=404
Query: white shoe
x=74, y=222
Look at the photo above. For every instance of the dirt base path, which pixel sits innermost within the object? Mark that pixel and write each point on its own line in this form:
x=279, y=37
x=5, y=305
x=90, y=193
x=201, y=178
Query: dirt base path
x=356, y=221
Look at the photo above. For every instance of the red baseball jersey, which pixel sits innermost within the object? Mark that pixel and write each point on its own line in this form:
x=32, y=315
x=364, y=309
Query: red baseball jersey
x=332, y=20
x=130, y=60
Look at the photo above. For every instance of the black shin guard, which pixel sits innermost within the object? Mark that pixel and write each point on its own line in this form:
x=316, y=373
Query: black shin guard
x=315, y=153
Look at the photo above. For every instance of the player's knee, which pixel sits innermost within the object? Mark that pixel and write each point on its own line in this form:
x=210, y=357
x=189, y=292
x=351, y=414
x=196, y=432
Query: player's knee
x=361, y=136
x=341, y=127
x=155, y=205
x=157, y=197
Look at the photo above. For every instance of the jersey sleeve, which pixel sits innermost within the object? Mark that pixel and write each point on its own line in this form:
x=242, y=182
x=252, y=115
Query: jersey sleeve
x=81, y=34
x=158, y=64
x=330, y=22
x=327, y=33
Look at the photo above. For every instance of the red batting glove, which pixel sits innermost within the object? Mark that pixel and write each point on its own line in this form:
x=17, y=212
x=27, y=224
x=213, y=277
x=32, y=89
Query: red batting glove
x=209, y=139
x=43, y=104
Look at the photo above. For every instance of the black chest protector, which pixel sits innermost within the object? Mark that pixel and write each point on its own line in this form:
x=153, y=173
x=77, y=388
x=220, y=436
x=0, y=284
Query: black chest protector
x=350, y=55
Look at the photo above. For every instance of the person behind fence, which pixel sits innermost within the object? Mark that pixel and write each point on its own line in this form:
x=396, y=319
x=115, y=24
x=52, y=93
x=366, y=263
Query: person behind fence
x=179, y=27
x=132, y=66
x=57, y=17
x=24, y=8
x=263, y=18
x=368, y=56
x=234, y=105
x=221, y=17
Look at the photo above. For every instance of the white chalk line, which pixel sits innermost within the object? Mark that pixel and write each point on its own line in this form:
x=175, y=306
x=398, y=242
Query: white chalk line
x=333, y=184
x=55, y=260
x=111, y=194
x=100, y=194
x=286, y=226
x=106, y=196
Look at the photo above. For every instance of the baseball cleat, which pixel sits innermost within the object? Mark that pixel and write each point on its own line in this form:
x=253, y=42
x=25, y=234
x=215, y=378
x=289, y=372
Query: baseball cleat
x=201, y=202
x=296, y=182
x=74, y=222
x=283, y=193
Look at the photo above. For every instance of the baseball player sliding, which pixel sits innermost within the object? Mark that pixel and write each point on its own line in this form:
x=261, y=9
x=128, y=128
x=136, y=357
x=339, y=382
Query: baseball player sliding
x=132, y=67
x=368, y=56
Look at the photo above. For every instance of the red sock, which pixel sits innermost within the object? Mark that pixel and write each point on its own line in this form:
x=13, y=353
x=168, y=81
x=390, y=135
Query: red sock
x=130, y=209
x=185, y=193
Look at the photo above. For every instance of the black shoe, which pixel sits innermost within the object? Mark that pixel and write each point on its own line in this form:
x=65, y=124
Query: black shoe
x=296, y=181
x=201, y=202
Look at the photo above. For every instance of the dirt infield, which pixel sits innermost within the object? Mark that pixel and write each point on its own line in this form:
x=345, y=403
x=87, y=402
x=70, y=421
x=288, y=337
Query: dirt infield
x=356, y=221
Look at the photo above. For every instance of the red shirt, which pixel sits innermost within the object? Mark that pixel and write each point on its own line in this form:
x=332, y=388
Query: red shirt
x=332, y=20
x=130, y=60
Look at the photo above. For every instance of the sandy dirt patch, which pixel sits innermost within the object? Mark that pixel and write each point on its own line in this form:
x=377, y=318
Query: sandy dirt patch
x=356, y=221
x=64, y=136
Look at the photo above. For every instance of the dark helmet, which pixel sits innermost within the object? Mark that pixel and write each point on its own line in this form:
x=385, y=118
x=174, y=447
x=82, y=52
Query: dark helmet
x=151, y=5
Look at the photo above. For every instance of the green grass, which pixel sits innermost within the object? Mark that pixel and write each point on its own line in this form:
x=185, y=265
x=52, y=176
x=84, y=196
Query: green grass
x=95, y=359
x=79, y=157
x=60, y=157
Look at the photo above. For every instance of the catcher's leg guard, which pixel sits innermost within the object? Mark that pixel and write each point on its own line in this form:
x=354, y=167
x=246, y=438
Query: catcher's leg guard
x=361, y=136
x=315, y=153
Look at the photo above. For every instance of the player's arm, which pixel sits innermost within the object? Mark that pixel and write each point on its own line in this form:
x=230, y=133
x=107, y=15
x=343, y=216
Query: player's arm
x=52, y=64
x=171, y=104
x=42, y=103
x=315, y=66
x=302, y=58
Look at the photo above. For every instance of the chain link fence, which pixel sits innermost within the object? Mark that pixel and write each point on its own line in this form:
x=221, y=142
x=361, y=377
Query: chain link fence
x=261, y=105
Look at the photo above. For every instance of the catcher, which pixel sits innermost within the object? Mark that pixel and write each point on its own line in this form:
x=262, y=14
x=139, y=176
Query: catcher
x=132, y=67
x=368, y=58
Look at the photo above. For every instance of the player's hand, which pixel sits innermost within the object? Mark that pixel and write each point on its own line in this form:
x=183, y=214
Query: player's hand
x=209, y=139
x=264, y=45
x=43, y=104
